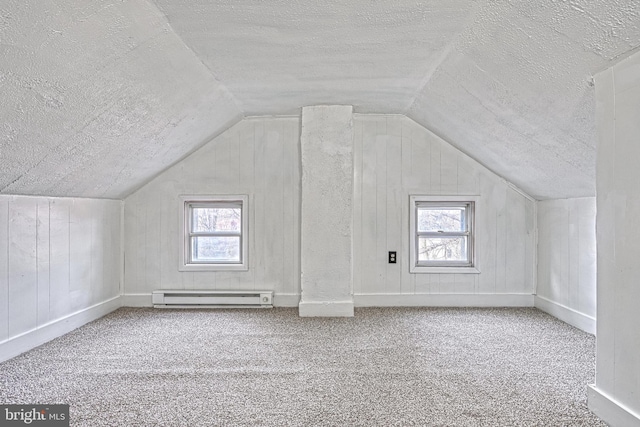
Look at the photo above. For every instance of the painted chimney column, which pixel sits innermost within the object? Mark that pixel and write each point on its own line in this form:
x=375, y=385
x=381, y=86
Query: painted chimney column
x=326, y=212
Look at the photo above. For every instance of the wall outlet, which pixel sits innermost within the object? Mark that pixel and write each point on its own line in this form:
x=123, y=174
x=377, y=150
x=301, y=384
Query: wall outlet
x=392, y=257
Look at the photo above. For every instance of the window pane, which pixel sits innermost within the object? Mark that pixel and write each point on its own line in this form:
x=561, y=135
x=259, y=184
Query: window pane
x=216, y=219
x=442, y=249
x=446, y=219
x=215, y=249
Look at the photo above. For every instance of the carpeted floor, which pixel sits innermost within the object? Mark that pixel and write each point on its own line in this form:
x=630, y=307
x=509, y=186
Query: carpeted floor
x=386, y=366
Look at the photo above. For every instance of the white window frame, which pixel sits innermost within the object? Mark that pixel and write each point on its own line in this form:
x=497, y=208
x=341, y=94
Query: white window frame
x=442, y=267
x=186, y=204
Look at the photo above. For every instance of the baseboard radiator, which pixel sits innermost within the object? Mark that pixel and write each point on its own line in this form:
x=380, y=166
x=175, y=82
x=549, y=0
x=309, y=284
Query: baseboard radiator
x=181, y=298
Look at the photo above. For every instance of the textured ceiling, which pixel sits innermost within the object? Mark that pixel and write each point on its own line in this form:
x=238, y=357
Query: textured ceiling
x=100, y=96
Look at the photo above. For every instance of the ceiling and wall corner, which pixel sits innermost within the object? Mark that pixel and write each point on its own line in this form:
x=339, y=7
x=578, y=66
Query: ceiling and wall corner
x=101, y=96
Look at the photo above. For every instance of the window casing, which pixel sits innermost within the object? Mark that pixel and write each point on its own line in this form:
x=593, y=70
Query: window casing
x=442, y=234
x=214, y=233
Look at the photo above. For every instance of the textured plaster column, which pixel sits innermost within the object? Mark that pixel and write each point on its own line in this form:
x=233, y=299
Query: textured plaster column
x=327, y=199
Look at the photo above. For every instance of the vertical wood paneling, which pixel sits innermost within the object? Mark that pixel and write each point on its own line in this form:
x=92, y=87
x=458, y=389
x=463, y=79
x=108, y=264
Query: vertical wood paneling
x=257, y=157
x=23, y=281
x=393, y=208
x=467, y=177
x=291, y=217
x=501, y=247
x=4, y=268
x=420, y=178
x=259, y=261
x=246, y=162
x=59, y=258
x=573, y=248
x=273, y=242
x=357, y=205
x=464, y=283
x=406, y=279
x=567, y=253
x=42, y=260
x=48, y=270
x=393, y=157
x=587, y=259
x=172, y=186
x=400, y=158
x=380, y=255
x=486, y=238
x=109, y=278
x=79, y=252
x=153, y=244
x=515, y=265
x=97, y=256
x=434, y=164
x=448, y=170
x=422, y=283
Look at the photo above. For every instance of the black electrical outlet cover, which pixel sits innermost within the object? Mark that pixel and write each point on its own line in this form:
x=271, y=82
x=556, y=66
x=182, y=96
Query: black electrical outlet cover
x=392, y=257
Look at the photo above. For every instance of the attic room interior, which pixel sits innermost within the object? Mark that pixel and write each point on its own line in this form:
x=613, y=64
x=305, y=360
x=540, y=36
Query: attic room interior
x=435, y=200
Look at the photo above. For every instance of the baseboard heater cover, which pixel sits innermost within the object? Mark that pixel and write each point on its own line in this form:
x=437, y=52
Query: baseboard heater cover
x=181, y=298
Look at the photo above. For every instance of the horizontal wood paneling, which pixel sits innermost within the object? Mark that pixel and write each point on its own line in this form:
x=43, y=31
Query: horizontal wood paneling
x=54, y=253
x=394, y=158
x=258, y=157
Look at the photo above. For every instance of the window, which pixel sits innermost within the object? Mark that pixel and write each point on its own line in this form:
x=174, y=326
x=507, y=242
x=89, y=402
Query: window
x=214, y=233
x=442, y=234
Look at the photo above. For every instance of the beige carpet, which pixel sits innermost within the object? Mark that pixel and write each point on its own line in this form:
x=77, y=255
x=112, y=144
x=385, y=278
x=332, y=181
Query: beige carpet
x=427, y=367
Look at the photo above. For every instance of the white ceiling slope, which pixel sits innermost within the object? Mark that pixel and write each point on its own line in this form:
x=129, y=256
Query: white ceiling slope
x=99, y=96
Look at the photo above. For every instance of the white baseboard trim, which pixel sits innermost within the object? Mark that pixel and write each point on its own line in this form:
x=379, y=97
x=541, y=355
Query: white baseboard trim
x=56, y=328
x=443, y=300
x=144, y=300
x=566, y=314
x=609, y=410
x=325, y=309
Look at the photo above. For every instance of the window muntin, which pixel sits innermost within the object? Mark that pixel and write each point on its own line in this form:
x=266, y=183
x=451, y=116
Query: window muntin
x=214, y=233
x=442, y=235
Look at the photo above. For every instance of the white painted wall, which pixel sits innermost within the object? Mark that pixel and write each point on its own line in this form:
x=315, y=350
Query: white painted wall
x=616, y=395
x=326, y=143
x=259, y=157
x=395, y=157
x=58, y=257
x=566, y=285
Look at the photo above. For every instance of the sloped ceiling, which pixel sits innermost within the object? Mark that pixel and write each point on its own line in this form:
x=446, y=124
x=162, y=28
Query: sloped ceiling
x=100, y=96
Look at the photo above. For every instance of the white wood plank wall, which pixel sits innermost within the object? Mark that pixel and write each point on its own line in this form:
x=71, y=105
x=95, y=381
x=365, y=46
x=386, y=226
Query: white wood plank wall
x=395, y=157
x=58, y=256
x=567, y=253
x=259, y=157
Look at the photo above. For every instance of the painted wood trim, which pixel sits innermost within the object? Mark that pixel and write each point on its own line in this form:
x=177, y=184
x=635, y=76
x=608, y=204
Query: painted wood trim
x=326, y=309
x=56, y=328
x=609, y=410
x=443, y=300
x=568, y=315
x=144, y=300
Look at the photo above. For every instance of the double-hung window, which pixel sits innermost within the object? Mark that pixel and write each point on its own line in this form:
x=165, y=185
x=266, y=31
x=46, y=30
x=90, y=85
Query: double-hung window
x=214, y=233
x=442, y=234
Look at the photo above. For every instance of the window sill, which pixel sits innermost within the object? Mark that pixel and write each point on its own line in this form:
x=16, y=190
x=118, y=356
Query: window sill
x=444, y=270
x=213, y=267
